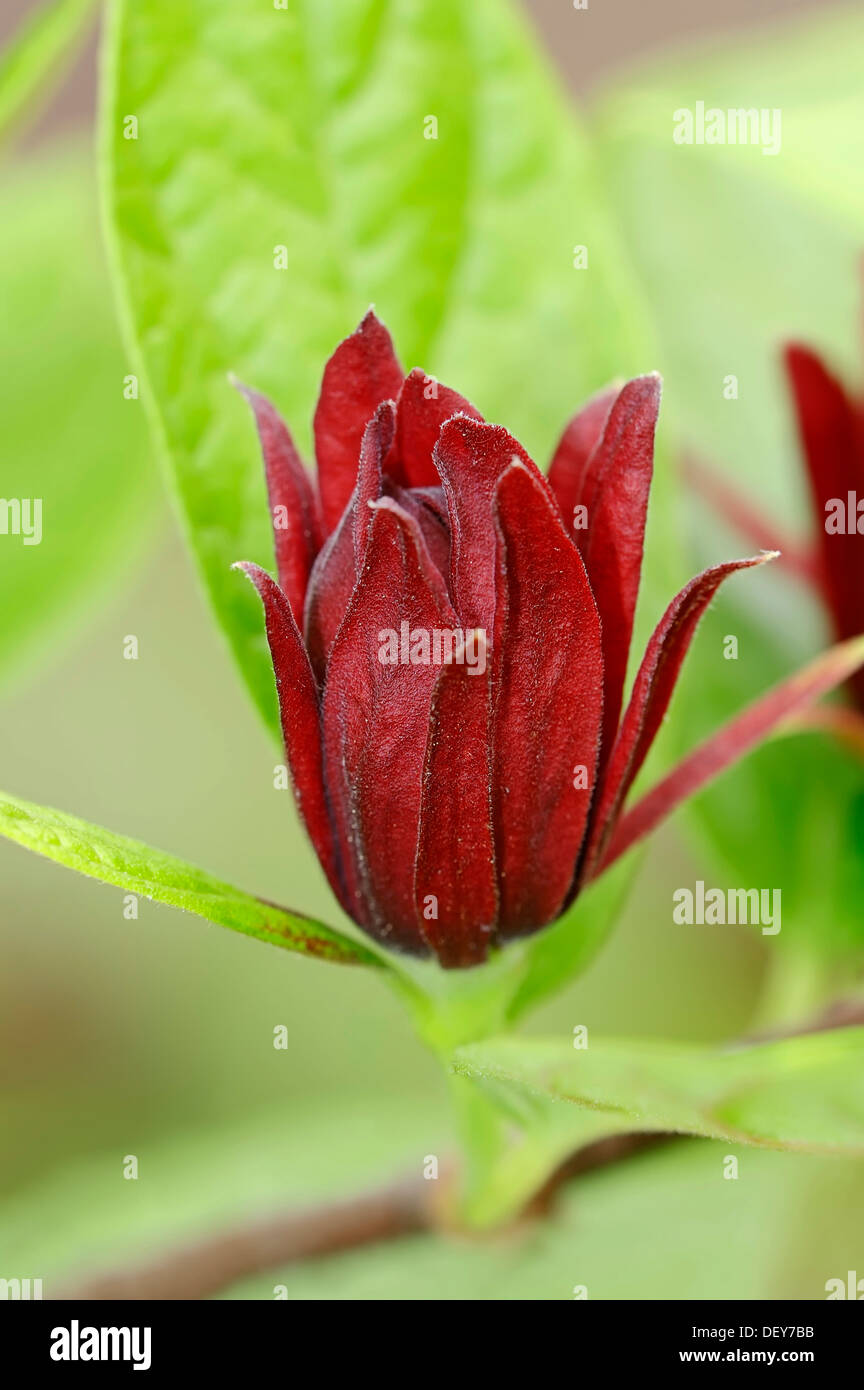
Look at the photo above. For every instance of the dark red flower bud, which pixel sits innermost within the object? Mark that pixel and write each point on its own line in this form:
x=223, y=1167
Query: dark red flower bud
x=450, y=635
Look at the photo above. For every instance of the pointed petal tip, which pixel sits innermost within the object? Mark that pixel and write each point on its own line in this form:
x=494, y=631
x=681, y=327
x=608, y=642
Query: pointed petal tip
x=459, y=424
x=370, y=321
x=256, y=400
x=250, y=569
x=254, y=397
x=649, y=385
x=258, y=577
x=750, y=561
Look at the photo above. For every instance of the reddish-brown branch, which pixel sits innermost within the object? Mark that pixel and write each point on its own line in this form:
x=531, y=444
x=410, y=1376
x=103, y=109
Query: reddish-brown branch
x=211, y=1263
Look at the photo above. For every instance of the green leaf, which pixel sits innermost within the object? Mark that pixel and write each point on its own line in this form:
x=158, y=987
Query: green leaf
x=803, y=1093
x=70, y=439
x=38, y=52
x=532, y=1101
x=303, y=129
x=738, y=251
x=137, y=868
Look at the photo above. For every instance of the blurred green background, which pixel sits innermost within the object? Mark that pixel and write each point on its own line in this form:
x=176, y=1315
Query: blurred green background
x=154, y=1036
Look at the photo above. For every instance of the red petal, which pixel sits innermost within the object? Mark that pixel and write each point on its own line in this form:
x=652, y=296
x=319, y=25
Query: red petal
x=736, y=738
x=652, y=691
x=615, y=493
x=331, y=584
x=376, y=720
x=293, y=506
x=377, y=439
x=834, y=451
x=470, y=457
x=567, y=470
x=419, y=417
x=363, y=372
x=338, y=566
x=548, y=692
x=456, y=854
x=429, y=510
x=301, y=724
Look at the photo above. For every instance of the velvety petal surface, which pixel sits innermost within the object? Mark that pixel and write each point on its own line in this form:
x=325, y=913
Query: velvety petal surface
x=335, y=573
x=376, y=722
x=456, y=853
x=470, y=457
x=548, y=702
x=429, y=510
x=577, y=443
x=293, y=506
x=423, y=406
x=301, y=725
x=363, y=372
x=615, y=493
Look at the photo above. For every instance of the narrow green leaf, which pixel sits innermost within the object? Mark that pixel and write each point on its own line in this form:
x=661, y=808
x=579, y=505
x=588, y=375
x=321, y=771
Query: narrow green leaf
x=804, y=1093
x=137, y=868
x=268, y=174
x=37, y=53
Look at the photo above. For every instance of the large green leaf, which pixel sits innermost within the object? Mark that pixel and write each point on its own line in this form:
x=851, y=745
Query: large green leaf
x=136, y=868
x=70, y=439
x=303, y=128
x=738, y=251
x=39, y=51
x=803, y=1093
x=533, y=1101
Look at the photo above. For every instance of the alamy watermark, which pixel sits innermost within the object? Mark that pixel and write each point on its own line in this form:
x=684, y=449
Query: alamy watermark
x=845, y=516
x=711, y=125
x=22, y=516
x=436, y=646
x=77, y=1343
x=20, y=1290
x=728, y=907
